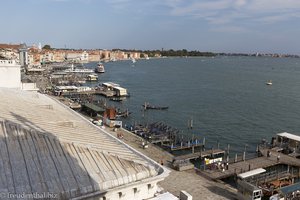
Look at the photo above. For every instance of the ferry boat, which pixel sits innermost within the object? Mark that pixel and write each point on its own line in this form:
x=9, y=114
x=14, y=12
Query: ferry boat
x=100, y=68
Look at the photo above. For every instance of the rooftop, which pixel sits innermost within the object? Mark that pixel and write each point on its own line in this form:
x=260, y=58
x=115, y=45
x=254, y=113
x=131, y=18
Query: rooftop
x=289, y=136
x=46, y=147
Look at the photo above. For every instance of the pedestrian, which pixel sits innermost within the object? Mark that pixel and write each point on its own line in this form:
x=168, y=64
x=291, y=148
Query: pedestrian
x=161, y=162
x=278, y=158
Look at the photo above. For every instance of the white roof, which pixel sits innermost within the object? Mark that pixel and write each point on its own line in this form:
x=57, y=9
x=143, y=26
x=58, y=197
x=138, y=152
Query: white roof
x=251, y=173
x=290, y=136
x=47, y=147
x=119, y=88
x=110, y=84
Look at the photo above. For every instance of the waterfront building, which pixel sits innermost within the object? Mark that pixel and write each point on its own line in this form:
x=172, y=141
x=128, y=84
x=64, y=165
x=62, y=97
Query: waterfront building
x=47, y=57
x=10, y=51
x=10, y=74
x=77, y=56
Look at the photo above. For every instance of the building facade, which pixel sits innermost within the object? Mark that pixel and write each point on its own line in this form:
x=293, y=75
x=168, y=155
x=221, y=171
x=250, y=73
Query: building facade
x=10, y=74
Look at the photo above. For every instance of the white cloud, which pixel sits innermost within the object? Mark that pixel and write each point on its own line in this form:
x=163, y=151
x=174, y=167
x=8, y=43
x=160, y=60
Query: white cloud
x=231, y=11
x=239, y=3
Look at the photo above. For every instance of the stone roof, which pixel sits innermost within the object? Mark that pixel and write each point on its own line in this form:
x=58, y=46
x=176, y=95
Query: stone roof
x=46, y=147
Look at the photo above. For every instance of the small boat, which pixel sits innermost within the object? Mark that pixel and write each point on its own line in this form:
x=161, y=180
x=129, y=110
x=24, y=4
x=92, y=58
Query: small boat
x=100, y=68
x=147, y=106
x=133, y=60
x=269, y=82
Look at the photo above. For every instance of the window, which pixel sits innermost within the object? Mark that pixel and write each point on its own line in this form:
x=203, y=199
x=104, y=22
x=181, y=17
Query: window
x=256, y=195
x=135, y=190
x=121, y=195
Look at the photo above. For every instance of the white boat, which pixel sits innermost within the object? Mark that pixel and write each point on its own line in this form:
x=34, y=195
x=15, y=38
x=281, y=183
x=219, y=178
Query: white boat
x=269, y=82
x=100, y=68
x=92, y=77
x=133, y=60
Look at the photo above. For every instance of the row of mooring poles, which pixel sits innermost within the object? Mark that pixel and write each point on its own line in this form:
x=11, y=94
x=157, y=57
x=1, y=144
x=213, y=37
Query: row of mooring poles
x=190, y=127
x=236, y=156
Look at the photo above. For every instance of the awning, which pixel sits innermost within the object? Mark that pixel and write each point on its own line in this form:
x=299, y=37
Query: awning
x=289, y=189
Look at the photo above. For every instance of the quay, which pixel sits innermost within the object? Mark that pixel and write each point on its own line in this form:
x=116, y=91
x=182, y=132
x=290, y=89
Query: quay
x=264, y=161
x=190, y=180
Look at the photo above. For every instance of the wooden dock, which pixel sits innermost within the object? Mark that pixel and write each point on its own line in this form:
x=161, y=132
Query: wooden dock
x=184, y=147
x=201, y=154
x=251, y=164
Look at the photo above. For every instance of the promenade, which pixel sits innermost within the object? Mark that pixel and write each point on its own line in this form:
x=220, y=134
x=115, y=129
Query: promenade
x=198, y=186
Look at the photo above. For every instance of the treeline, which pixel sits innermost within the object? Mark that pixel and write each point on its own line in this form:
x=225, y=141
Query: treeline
x=185, y=52
x=170, y=52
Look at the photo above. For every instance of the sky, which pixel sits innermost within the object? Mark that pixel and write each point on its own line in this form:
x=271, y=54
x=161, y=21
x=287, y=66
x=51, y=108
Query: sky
x=240, y=26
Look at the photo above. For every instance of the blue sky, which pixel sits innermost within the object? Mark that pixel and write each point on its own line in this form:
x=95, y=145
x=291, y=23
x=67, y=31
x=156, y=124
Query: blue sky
x=271, y=26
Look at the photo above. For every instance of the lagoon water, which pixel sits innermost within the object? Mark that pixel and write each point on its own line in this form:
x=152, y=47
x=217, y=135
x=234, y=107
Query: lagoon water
x=227, y=97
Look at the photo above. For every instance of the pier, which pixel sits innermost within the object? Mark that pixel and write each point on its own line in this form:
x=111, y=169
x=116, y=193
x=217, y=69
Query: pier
x=201, y=154
x=264, y=161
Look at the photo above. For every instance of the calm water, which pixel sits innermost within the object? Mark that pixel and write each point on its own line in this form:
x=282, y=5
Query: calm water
x=226, y=96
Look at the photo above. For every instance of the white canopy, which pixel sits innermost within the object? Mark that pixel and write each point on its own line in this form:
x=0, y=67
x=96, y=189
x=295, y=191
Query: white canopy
x=251, y=173
x=289, y=136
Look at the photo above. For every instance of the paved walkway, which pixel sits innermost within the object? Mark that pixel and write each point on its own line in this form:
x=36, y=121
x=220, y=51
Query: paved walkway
x=198, y=186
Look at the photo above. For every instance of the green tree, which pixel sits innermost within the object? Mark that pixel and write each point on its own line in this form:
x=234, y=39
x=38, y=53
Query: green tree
x=47, y=46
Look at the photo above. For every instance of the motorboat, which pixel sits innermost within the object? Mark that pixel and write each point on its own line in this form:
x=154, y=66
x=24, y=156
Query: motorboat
x=269, y=82
x=100, y=68
x=92, y=77
x=133, y=60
